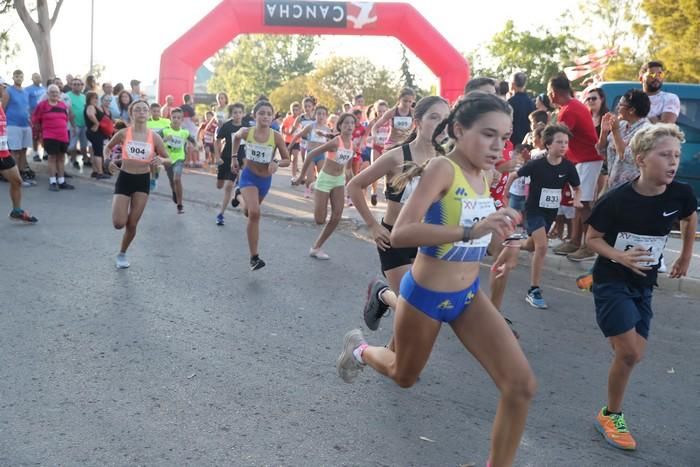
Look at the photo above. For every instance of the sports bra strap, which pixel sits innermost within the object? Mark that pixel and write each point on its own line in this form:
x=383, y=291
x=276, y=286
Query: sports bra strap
x=407, y=156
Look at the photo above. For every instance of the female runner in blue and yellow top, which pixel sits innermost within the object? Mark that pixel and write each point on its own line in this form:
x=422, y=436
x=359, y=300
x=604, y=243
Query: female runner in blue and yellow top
x=256, y=177
x=451, y=217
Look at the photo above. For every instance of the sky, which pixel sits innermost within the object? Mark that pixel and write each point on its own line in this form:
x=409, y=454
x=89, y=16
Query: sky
x=130, y=38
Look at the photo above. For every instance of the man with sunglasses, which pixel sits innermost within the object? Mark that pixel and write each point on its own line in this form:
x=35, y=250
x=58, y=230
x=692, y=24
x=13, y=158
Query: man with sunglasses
x=665, y=106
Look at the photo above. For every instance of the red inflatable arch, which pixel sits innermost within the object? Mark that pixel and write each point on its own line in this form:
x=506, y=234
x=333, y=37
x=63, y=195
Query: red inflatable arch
x=230, y=18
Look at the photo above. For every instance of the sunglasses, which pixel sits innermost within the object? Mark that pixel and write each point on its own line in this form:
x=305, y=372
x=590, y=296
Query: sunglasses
x=650, y=74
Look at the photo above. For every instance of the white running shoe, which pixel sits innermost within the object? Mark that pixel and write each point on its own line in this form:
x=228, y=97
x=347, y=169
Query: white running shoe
x=318, y=254
x=122, y=262
x=347, y=365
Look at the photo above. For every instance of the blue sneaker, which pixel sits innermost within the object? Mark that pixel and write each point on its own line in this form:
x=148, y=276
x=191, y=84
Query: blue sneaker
x=534, y=298
x=220, y=219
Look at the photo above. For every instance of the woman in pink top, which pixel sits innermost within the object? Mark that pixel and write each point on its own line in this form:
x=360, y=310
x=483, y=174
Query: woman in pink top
x=51, y=118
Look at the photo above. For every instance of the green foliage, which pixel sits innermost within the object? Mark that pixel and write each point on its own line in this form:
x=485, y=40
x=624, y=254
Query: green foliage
x=290, y=91
x=336, y=81
x=540, y=55
x=257, y=64
x=676, y=30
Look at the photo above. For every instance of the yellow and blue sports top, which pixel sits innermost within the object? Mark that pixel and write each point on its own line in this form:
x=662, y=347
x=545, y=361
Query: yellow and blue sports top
x=461, y=205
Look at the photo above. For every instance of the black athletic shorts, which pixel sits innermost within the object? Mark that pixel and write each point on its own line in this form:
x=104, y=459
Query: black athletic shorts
x=6, y=163
x=223, y=171
x=128, y=184
x=53, y=147
x=394, y=257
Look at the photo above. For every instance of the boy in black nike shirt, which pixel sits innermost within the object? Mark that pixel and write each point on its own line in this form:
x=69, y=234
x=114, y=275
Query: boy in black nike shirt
x=628, y=229
x=548, y=176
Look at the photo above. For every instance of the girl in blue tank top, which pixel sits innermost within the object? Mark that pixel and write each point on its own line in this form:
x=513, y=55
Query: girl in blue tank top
x=452, y=219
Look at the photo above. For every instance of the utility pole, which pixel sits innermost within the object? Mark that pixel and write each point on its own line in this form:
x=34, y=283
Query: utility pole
x=92, y=32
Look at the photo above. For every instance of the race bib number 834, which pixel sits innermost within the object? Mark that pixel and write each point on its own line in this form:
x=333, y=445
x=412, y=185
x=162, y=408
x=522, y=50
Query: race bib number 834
x=653, y=244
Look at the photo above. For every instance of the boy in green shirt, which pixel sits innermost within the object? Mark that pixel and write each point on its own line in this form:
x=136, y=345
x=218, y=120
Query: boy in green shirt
x=176, y=141
x=157, y=124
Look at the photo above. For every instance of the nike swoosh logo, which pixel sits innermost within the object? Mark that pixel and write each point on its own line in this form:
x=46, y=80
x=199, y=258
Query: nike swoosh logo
x=666, y=214
x=562, y=176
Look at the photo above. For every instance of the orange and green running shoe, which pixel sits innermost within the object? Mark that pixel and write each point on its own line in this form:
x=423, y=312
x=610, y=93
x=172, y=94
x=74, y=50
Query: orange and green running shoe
x=585, y=282
x=614, y=430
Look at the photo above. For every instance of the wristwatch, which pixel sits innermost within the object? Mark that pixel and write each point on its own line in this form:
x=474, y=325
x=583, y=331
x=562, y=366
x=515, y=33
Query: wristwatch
x=467, y=231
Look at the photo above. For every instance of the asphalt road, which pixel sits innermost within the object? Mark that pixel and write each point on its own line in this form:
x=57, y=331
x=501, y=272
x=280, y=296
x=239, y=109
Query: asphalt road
x=187, y=358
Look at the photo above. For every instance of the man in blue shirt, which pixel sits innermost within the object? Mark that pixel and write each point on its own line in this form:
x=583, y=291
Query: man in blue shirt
x=522, y=107
x=15, y=101
x=35, y=92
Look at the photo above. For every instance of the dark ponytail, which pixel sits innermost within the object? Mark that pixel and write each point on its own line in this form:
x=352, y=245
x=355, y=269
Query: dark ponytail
x=467, y=111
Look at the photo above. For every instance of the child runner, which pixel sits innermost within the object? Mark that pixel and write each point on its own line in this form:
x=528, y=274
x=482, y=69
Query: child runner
x=288, y=133
x=452, y=219
x=9, y=171
x=224, y=177
x=330, y=184
x=177, y=140
x=206, y=134
x=379, y=136
x=548, y=176
x=141, y=149
x=301, y=122
x=221, y=108
x=628, y=229
x=400, y=118
x=417, y=150
x=256, y=176
x=157, y=123
x=316, y=133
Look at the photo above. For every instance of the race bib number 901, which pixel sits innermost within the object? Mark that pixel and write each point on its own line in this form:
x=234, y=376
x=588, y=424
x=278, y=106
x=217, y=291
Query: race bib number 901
x=260, y=153
x=473, y=211
x=138, y=150
x=652, y=244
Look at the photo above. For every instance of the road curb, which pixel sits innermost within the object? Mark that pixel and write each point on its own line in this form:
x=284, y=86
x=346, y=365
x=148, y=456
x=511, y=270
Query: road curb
x=687, y=285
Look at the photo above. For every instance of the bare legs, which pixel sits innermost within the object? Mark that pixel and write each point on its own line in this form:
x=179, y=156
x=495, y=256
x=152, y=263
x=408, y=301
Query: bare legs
x=336, y=197
x=482, y=330
x=629, y=348
x=126, y=213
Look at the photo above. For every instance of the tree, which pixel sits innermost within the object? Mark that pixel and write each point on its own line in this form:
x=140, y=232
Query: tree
x=290, y=91
x=615, y=24
x=675, y=27
x=408, y=79
x=336, y=81
x=540, y=56
x=39, y=30
x=257, y=64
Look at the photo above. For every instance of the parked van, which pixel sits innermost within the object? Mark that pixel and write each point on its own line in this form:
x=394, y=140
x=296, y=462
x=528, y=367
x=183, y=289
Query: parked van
x=688, y=121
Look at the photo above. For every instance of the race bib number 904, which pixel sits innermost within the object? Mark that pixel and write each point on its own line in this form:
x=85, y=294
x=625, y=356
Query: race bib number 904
x=260, y=153
x=473, y=211
x=138, y=150
x=652, y=244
